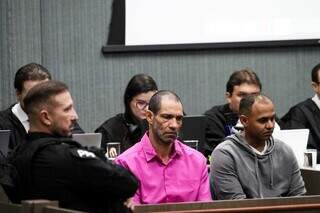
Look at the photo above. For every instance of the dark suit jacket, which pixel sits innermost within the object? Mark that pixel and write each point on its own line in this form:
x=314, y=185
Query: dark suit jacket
x=305, y=115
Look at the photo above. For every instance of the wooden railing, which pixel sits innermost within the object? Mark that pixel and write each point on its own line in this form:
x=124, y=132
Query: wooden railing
x=283, y=205
x=34, y=206
x=304, y=204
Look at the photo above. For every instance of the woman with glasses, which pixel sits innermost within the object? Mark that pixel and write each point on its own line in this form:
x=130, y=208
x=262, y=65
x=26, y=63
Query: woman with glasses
x=128, y=127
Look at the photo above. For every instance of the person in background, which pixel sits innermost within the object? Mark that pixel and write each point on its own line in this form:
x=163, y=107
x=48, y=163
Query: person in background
x=168, y=170
x=221, y=119
x=128, y=127
x=251, y=163
x=52, y=166
x=14, y=118
x=306, y=115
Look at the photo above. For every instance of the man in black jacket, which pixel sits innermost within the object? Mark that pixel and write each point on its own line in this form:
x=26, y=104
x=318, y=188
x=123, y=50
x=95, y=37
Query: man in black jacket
x=52, y=166
x=14, y=118
x=306, y=115
x=221, y=119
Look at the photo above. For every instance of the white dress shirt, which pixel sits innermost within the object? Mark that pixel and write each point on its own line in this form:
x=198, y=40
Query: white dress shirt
x=316, y=100
x=21, y=115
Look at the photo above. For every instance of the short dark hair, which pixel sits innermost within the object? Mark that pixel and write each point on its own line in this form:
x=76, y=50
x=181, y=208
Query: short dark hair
x=246, y=103
x=42, y=93
x=30, y=72
x=140, y=83
x=240, y=77
x=314, y=73
x=155, y=101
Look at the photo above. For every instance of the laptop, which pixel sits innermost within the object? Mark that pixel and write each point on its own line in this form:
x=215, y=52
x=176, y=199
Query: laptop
x=297, y=139
x=88, y=139
x=193, y=131
x=4, y=142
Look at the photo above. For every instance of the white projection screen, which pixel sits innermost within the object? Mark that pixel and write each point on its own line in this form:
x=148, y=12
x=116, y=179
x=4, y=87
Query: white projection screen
x=153, y=22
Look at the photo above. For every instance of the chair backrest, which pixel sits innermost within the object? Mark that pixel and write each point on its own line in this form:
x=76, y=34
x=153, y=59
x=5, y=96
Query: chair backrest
x=311, y=179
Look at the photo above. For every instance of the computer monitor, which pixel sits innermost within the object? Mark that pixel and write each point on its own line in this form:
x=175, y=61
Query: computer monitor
x=88, y=139
x=297, y=139
x=193, y=129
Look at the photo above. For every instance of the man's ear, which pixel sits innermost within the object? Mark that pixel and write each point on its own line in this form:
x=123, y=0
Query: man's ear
x=149, y=116
x=228, y=95
x=18, y=95
x=314, y=87
x=244, y=120
x=45, y=117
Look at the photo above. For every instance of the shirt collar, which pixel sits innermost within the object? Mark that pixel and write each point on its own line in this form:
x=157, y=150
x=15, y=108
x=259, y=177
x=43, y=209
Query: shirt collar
x=263, y=151
x=149, y=151
x=31, y=136
x=18, y=111
x=316, y=100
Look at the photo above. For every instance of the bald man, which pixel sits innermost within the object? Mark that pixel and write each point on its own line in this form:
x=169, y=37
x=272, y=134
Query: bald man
x=251, y=163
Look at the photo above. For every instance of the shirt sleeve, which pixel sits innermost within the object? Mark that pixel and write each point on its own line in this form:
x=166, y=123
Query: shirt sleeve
x=224, y=181
x=98, y=175
x=136, y=198
x=204, y=189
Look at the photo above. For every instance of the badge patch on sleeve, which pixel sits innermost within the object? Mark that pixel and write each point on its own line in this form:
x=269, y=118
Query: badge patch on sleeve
x=85, y=154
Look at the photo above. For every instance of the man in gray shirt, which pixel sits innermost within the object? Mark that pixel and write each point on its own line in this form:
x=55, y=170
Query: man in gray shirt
x=251, y=163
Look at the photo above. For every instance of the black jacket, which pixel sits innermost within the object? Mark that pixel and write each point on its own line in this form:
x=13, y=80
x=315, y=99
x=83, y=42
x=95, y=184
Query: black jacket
x=305, y=115
x=121, y=129
x=61, y=169
x=217, y=119
x=9, y=121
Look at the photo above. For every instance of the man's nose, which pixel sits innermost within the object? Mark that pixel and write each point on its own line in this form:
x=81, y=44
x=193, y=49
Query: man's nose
x=174, y=124
x=74, y=115
x=270, y=124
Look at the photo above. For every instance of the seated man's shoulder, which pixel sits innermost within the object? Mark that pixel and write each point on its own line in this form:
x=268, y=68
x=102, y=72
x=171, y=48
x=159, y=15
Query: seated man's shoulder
x=226, y=144
x=306, y=104
x=131, y=154
x=192, y=153
x=282, y=147
x=6, y=114
x=216, y=110
x=113, y=122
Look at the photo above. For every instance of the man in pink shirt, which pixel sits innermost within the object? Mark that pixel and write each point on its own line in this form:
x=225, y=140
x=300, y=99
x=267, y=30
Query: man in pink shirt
x=168, y=170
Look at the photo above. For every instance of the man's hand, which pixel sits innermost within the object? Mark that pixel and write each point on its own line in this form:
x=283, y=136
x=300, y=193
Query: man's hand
x=129, y=204
x=112, y=153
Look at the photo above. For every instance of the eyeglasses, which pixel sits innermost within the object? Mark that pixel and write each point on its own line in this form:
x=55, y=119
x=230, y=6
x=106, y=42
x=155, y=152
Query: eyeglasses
x=140, y=104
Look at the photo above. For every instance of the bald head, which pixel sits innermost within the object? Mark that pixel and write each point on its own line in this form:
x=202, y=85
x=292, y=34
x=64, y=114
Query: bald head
x=247, y=102
x=155, y=101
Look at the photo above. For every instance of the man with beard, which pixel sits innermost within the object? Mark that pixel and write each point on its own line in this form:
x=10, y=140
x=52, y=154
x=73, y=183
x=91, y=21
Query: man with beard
x=168, y=170
x=52, y=166
x=14, y=118
x=251, y=163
